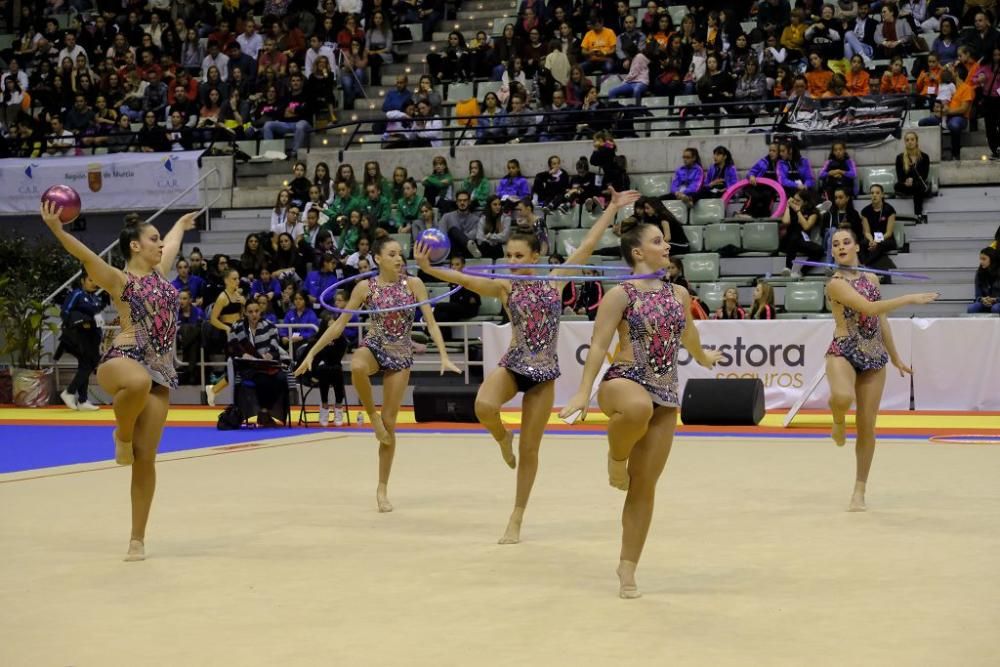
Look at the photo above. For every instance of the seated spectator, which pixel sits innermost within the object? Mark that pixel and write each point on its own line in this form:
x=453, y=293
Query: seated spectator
x=837, y=88
x=513, y=187
x=987, y=283
x=688, y=179
x=598, y=47
x=477, y=185
x=520, y=123
x=296, y=117
x=316, y=202
x=151, y=138
x=60, y=142
x=461, y=225
x=945, y=47
x=311, y=232
x=426, y=93
x=280, y=211
x=298, y=187
x=493, y=230
x=730, y=308
x=178, y=135
x=762, y=307
x=793, y=36
x=454, y=63
x=80, y=117
x=354, y=62
x=824, y=36
x=246, y=63
x=577, y=86
x=121, y=139
x=593, y=116
x=292, y=224
x=989, y=77
x=751, y=87
x=189, y=327
x=462, y=305
x=264, y=389
x=378, y=206
x=895, y=81
x=526, y=222
x=721, y=175
x=913, y=173
x=857, y=78
x=352, y=265
x=286, y=261
x=317, y=50
x=550, y=185
x=859, y=36
x=838, y=171
x=428, y=129
x=300, y=313
x=425, y=219
x=818, y=75
x=319, y=280
x=715, y=85
x=894, y=36
x=340, y=205
x=378, y=42
x=188, y=282
x=929, y=80
x=490, y=126
x=879, y=220
x=583, y=298
x=557, y=123
x=636, y=82
x=215, y=58
x=438, y=185
x=843, y=214
x=352, y=233
x=407, y=210
x=327, y=367
x=652, y=211
x=582, y=186
x=794, y=171
x=802, y=232
x=955, y=114
x=265, y=284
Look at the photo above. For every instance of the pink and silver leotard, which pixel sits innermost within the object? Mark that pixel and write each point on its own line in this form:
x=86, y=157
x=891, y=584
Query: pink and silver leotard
x=534, y=307
x=655, y=321
x=149, y=336
x=863, y=346
x=388, y=336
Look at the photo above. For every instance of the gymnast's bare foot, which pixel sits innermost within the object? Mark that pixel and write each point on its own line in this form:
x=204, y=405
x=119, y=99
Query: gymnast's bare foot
x=507, y=449
x=627, y=590
x=839, y=433
x=382, y=498
x=381, y=433
x=513, y=533
x=618, y=473
x=124, y=455
x=858, y=499
x=136, y=551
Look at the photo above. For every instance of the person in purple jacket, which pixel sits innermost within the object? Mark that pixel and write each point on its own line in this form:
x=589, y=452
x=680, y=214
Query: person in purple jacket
x=794, y=171
x=761, y=198
x=318, y=281
x=838, y=171
x=301, y=313
x=186, y=280
x=721, y=175
x=513, y=187
x=266, y=284
x=688, y=178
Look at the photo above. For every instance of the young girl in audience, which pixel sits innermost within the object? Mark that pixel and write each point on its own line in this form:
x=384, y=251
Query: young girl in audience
x=730, y=308
x=987, y=283
x=477, y=185
x=838, y=171
x=762, y=307
x=513, y=187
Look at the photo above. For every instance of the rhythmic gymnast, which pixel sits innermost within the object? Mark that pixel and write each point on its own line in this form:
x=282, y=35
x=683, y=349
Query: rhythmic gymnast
x=138, y=370
x=639, y=391
x=530, y=364
x=386, y=347
x=862, y=344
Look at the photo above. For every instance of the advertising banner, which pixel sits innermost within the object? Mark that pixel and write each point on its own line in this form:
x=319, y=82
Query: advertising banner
x=784, y=354
x=956, y=364
x=113, y=182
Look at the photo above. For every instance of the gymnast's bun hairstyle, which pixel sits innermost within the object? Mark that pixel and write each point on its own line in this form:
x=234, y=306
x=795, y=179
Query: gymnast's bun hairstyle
x=380, y=243
x=531, y=240
x=134, y=225
x=632, y=230
x=848, y=229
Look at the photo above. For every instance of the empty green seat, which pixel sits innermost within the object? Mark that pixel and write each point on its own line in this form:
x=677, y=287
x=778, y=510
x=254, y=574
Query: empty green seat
x=560, y=220
x=884, y=176
x=434, y=290
x=722, y=235
x=760, y=237
x=652, y=185
x=804, y=297
x=695, y=236
x=573, y=236
x=489, y=309
x=481, y=261
x=678, y=208
x=707, y=212
x=701, y=267
x=404, y=243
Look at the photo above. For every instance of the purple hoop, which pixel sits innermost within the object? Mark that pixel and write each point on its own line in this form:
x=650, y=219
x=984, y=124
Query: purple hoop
x=369, y=274
x=489, y=271
x=774, y=185
x=882, y=272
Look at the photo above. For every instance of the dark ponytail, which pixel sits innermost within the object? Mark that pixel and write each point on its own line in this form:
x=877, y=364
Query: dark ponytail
x=632, y=229
x=132, y=230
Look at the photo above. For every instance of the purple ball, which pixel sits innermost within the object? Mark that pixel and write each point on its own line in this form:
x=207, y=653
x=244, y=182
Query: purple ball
x=437, y=243
x=66, y=199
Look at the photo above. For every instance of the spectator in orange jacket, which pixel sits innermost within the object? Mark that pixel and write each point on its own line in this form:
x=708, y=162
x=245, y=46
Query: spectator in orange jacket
x=930, y=79
x=895, y=81
x=818, y=74
x=858, y=80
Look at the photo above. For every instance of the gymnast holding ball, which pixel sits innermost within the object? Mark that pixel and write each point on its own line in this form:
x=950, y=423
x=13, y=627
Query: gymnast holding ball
x=138, y=370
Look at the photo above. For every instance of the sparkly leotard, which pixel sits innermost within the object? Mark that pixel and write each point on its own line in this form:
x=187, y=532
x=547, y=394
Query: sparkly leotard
x=149, y=334
x=655, y=321
x=388, y=336
x=862, y=346
x=534, y=307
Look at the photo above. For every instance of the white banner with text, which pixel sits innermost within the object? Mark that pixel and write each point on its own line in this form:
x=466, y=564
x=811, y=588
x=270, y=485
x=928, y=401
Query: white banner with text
x=112, y=182
x=784, y=354
x=956, y=364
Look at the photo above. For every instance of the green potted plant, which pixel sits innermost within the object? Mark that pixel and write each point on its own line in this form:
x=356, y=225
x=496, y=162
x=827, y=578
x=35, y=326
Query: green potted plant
x=35, y=271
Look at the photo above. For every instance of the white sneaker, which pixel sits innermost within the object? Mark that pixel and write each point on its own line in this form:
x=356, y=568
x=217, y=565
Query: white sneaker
x=786, y=272
x=324, y=416
x=338, y=416
x=473, y=249
x=210, y=394
x=570, y=248
x=70, y=400
x=87, y=406
x=796, y=273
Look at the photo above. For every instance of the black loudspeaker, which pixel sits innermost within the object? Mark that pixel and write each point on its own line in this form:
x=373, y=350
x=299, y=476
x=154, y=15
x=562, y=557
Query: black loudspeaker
x=456, y=403
x=731, y=402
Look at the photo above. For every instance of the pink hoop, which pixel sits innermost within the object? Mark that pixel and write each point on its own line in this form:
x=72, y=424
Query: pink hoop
x=774, y=185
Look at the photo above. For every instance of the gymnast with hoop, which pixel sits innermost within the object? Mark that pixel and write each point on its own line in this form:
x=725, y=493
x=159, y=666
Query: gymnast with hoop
x=390, y=297
x=138, y=370
x=639, y=391
x=530, y=364
x=862, y=345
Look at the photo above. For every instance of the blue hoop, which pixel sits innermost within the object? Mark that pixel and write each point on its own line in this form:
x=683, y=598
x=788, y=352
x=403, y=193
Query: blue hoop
x=369, y=274
x=489, y=271
x=881, y=272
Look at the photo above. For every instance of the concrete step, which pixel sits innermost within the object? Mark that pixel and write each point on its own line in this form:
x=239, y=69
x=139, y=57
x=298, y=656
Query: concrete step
x=961, y=200
x=241, y=225
x=969, y=246
x=232, y=239
x=948, y=291
x=486, y=14
x=247, y=213
x=941, y=276
x=253, y=197
x=945, y=229
x=941, y=260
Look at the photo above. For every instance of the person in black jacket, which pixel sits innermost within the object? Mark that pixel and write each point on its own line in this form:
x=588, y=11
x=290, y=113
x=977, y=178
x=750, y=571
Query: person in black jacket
x=462, y=305
x=81, y=337
x=913, y=168
x=551, y=185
